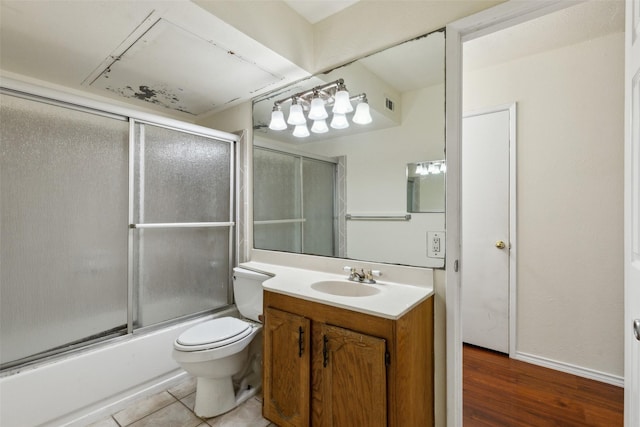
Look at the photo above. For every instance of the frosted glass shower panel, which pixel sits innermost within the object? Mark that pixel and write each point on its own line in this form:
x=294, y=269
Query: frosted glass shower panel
x=179, y=177
x=63, y=210
x=182, y=183
x=318, y=180
x=276, y=186
x=181, y=271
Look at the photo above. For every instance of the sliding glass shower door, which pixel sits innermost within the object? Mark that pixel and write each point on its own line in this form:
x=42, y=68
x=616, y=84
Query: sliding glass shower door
x=107, y=225
x=182, y=211
x=63, y=249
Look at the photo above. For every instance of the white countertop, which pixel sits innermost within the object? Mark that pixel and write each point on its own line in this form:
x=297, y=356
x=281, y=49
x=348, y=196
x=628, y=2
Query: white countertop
x=393, y=300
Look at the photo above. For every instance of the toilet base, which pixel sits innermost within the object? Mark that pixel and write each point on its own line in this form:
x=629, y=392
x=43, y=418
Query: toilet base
x=216, y=396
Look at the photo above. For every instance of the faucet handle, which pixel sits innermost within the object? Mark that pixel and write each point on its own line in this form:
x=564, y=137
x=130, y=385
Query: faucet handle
x=347, y=269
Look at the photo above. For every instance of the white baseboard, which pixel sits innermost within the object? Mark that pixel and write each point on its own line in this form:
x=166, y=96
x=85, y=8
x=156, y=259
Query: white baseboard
x=570, y=369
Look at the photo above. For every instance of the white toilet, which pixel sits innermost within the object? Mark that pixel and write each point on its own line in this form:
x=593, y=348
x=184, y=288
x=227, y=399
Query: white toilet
x=223, y=353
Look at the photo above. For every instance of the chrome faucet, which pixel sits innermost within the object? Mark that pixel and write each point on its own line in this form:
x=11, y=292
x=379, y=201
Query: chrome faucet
x=362, y=276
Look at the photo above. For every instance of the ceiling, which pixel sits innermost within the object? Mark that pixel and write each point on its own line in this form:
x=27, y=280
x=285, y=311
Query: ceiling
x=174, y=57
x=317, y=10
x=170, y=56
x=584, y=21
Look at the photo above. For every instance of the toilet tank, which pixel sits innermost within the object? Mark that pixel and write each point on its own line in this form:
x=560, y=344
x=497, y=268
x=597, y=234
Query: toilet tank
x=247, y=292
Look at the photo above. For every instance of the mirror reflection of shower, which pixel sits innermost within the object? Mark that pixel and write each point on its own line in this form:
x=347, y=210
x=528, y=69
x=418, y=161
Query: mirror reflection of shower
x=293, y=204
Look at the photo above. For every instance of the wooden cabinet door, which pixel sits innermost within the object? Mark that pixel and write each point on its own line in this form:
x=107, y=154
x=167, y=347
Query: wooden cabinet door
x=286, y=368
x=354, y=379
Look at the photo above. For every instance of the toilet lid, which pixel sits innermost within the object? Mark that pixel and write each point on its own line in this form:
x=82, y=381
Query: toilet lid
x=215, y=333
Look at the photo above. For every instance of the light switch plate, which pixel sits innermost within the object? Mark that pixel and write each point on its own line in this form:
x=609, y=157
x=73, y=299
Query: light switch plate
x=435, y=244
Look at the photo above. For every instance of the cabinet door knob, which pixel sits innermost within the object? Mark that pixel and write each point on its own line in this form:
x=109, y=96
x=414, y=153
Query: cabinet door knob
x=500, y=244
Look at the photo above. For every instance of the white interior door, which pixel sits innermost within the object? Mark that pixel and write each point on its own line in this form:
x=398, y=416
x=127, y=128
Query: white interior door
x=632, y=216
x=485, y=234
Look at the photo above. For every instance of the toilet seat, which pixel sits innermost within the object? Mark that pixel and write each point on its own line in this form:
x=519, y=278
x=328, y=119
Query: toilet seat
x=213, y=334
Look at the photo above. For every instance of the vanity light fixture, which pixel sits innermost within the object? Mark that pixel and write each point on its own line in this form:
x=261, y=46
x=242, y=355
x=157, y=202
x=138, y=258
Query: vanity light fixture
x=277, y=119
x=315, y=102
x=296, y=117
x=362, y=115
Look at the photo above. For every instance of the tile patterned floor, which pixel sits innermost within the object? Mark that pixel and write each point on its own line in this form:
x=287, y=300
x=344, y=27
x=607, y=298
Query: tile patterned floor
x=174, y=408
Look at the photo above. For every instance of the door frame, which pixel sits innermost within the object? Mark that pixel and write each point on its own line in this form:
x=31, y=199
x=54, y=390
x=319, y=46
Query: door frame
x=485, y=22
x=512, y=109
x=631, y=213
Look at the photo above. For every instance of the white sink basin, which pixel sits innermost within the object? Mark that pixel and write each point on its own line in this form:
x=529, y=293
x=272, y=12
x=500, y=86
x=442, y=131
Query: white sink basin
x=344, y=288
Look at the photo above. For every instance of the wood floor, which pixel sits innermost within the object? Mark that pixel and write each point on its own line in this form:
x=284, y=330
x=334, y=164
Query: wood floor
x=499, y=391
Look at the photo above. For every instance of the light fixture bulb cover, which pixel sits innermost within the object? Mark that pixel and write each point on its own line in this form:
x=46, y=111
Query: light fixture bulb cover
x=317, y=111
x=296, y=117
x=362, y=115
x=301, y=131
x=277, y=121
x=342, y=103
x=319, y=126
x=339, y=121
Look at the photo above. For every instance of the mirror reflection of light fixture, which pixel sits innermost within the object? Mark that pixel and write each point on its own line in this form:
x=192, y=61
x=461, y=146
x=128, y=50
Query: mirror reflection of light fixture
x=431, y=168
x=362, y=115
x=339, y=121
x=301, y=131
x=315, y=101
x=317, y=110
x=342, y=103
x=277, y=119
x=296, y=117
x=319, y=126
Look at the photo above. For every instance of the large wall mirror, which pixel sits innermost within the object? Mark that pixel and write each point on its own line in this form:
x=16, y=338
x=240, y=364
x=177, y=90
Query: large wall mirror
x=331, y=176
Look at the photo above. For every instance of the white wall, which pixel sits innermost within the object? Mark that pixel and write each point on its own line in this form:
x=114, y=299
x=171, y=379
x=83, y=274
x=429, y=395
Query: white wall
x=569, y=198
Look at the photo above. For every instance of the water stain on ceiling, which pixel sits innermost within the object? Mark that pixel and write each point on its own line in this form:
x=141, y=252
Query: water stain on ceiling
x=176, y=69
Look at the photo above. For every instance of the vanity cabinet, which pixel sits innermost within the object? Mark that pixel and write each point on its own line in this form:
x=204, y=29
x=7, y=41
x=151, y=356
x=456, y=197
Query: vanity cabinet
x=328, y=366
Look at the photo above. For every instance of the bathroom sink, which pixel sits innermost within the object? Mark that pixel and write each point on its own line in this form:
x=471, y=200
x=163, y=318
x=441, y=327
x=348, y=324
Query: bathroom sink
x=344, y=288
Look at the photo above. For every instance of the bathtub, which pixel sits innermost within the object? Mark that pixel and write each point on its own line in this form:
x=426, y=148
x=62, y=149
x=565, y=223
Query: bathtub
x=92, y=384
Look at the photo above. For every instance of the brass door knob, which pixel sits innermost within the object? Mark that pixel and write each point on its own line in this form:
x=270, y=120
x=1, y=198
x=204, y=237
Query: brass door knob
x=500, y=244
